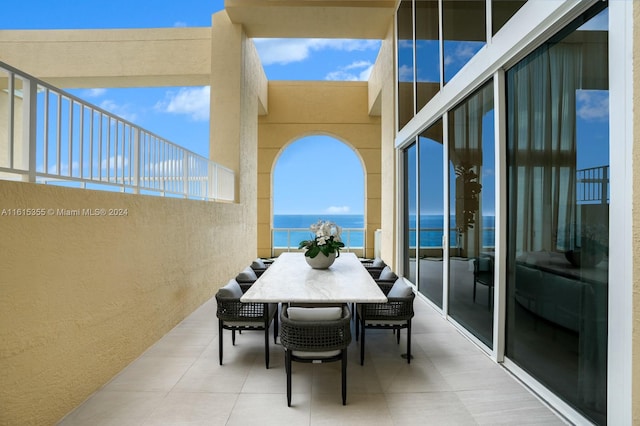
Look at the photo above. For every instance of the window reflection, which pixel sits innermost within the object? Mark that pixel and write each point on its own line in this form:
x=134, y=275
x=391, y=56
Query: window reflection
x=502, y=11
x=472, y=204
x=431, y=221
x=559, y=214
x=464, y=30
x=405, y=63
x=411, y=219
x=427, y=51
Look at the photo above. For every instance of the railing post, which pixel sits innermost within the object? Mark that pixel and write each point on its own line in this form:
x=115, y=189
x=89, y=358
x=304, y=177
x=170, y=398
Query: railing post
x=185, y=175
x=29, y=127
x=136, y=160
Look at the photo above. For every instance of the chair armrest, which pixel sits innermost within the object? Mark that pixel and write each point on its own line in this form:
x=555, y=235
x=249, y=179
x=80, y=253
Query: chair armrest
x=396, y=308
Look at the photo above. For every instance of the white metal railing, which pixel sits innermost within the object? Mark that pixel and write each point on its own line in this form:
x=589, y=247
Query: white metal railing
x=50, y=136
x=289, y=238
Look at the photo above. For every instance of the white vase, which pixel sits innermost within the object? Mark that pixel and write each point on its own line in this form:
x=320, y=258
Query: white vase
x=321, y=261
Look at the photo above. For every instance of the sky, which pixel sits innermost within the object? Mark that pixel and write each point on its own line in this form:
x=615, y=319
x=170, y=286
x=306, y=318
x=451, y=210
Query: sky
x=181, y=114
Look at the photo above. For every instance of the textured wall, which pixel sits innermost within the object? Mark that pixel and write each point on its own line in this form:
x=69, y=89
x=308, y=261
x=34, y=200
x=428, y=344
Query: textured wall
x=636, y=219
x=83, y=296
x=390, y=184
x=111, y=58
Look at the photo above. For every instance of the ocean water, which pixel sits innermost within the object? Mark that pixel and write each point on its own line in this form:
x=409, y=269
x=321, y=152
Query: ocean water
x=291, y=229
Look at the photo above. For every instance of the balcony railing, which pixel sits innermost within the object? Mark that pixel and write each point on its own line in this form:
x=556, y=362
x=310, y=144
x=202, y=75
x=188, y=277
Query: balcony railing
x=287, y=239
x=50, y=136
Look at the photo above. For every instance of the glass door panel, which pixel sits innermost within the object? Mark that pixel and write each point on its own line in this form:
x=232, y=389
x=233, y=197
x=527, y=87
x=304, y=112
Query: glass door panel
x=472, y=206
x=431, y=222
x=558, y=180
x=411, y=216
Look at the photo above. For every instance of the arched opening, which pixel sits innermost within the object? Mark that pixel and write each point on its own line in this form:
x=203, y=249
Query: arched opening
x=317, y=178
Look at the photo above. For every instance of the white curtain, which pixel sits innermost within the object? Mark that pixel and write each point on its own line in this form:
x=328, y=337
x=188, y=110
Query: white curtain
x=465, y=156
x=542, y=134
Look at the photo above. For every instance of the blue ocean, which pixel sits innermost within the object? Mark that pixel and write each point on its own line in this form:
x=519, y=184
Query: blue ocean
x=289, y=230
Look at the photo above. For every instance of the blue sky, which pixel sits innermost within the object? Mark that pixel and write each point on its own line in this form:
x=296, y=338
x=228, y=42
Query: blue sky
x=181, y=114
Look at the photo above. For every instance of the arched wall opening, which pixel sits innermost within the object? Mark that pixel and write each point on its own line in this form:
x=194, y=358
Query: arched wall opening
x=317, y=177
x=300, y=109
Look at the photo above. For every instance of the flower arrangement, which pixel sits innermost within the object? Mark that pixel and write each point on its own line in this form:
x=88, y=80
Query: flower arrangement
x=326, y=240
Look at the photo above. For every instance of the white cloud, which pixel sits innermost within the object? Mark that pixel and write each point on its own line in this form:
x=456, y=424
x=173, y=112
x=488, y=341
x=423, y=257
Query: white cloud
x=284, y=51
x=191, y=101
x=115, y=162
x=180, y=24
x=592, y=104
x=94, y=93
x=122, y=111
x=338, y=210
x=405, y=73
x=356, y=71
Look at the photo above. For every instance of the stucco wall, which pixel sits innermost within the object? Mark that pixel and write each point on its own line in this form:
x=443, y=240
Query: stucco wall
x=636, y=219
x=83, y=296
x=111, y=58
x=299, y=109
x=390, y=184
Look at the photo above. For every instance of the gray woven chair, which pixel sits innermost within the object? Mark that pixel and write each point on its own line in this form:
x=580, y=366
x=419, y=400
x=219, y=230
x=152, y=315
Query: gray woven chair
x=386, y=279
x=374, y=266
x=395, y=314
x=246, y=278
x=259, y=266
x=237, y=316
x=313, y=335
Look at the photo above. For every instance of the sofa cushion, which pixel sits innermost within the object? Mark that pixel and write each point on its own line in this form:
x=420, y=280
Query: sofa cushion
x=314, y=314
x=231, y=290
x=399, y=289
x=258, y=264
x=387, y=274
x=247, y=274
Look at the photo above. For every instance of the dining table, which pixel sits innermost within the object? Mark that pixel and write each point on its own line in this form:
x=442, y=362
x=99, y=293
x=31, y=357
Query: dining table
x=290, y=279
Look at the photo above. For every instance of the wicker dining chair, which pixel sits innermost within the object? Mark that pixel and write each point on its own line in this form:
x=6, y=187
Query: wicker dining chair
x=246, y=278
x=259, y=266
x=237, y=316
x=315, y=335
x=386, y=279
x=374, y=266
x=395, y=314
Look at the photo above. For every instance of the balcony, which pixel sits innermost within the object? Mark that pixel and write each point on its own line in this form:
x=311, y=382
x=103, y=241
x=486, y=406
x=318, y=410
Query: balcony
x=179, y=381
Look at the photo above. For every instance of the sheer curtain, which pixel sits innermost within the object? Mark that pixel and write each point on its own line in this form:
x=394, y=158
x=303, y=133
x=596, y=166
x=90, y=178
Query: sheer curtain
x=465, y=156
x=542, y=131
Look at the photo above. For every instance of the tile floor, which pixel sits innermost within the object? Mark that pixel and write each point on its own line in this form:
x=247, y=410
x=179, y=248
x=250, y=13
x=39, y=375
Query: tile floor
x=178, y=381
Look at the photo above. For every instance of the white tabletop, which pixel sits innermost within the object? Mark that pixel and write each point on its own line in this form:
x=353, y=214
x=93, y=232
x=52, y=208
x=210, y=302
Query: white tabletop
x=291, y=279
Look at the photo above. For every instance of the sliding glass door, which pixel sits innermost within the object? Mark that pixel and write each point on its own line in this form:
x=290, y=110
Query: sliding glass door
x=558, y=214
x=471, y=209
x=431, y=219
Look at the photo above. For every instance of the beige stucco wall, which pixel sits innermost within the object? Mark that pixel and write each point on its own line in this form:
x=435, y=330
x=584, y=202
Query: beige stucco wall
x=636, y=220
x=82, y=297
x=384, y=72
x=111, y=58
x=299, y=109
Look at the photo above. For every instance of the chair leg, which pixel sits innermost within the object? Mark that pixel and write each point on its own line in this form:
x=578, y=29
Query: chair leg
x=266, y=346
x=409, y=342
x=397, y=335
x=275, y=328
x=220, y=341
x=474, y=290
x=287, y=366
x=356, y=322
x=362, y=326
x=344, y=376
x=233, y=337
